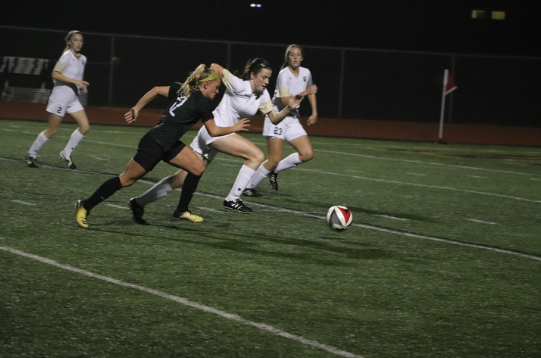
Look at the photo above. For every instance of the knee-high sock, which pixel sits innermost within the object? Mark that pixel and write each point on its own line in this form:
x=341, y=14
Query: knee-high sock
x=159, y=190
x=188, y=189
x=108, y=188
x=245, y=174
x=75, y=138
x=41, y=139
x=260, y=174
x=291, y=161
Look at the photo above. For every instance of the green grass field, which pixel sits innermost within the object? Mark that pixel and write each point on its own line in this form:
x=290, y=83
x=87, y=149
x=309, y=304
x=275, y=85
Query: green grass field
x=443, y=258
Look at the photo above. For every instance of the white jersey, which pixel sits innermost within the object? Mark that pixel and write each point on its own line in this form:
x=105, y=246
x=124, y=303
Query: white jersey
x=239, y=101
x=287, y=84
x=71, y=67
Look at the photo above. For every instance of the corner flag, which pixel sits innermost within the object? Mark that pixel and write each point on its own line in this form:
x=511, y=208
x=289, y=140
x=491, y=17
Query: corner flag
x=449, y=83
x=448, y=87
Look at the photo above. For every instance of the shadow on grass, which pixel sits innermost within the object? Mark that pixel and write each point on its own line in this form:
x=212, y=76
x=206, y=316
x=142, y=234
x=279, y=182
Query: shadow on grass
x=354, y=209
x=250, y=244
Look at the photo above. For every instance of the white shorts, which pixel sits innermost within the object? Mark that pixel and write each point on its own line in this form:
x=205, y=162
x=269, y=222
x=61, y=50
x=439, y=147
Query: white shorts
x=63, y=100
x=201, y=142
x=288, y=129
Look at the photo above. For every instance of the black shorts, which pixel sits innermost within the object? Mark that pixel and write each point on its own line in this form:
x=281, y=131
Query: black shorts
x=150, y=153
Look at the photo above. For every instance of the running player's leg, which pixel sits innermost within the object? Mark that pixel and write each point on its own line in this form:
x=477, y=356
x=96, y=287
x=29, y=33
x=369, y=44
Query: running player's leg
x=134, y=171
x=159, y=190
x=79, y=115
x=54, y=122
x=162, y=188
x=238, y=146
x=194, y=166
x=274, y=148
x=305, y=153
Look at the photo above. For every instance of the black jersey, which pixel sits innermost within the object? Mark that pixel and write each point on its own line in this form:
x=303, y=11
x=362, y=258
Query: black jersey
x=181, y=115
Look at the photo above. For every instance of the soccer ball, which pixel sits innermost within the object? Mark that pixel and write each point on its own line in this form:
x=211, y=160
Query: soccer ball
x=339, y=218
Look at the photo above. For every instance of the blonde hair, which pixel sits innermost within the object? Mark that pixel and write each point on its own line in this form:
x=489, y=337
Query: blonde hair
x=68, y=38
x=192, y=82
x=289, y=48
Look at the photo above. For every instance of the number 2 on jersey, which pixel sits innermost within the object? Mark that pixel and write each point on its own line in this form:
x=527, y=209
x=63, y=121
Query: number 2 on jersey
x=179, y=102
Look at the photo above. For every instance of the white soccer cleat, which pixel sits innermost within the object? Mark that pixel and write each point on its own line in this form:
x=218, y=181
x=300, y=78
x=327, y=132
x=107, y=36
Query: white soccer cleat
x=68, y=160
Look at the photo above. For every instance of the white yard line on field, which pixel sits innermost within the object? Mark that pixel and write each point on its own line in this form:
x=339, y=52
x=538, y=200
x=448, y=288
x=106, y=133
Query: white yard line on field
x=318, y=171
x=481, y=221
x=324, y=151
x=392, y=217
x=350, y=176
x=419, y=162
x=389, y=231
x=186, y=302
x=370, y=227
x=204, y=208
x=424, y=150
x=21, y=202
x=117, y=206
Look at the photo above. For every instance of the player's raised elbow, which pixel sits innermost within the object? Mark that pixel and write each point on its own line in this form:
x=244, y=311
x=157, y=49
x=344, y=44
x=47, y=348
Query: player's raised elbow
x=217, y=68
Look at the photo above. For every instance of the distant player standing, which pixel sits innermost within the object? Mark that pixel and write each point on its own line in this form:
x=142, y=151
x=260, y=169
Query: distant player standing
x=292, y=80
x=68, y=81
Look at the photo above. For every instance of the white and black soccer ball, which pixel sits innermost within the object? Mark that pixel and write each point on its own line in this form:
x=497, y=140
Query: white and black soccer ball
x=339, y=218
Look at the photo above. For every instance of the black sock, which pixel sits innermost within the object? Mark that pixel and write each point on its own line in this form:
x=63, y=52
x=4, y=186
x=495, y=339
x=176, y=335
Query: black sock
x=188, y=189
x=108, y=188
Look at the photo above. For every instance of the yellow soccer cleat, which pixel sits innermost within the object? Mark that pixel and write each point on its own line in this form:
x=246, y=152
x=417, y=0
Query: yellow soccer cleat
x=81, y=214
x=188, y=215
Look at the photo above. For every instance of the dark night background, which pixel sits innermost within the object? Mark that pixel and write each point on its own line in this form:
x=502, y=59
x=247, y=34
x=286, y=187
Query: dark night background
x=441, y=25
x=495, y=63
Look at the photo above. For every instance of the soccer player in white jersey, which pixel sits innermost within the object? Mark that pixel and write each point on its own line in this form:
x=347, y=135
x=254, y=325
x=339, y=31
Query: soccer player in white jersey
x=292, y=80
x=243, y=98
x=68, y=82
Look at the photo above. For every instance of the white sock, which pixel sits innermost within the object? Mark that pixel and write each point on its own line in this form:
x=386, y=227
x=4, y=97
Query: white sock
x=245, y=174
x=159, y=190
x=75, y=138
x=258, y=177
x=291, y=161
x=38, y=143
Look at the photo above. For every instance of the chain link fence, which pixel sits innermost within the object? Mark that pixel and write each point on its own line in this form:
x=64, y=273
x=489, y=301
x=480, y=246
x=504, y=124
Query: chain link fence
x=352, y=83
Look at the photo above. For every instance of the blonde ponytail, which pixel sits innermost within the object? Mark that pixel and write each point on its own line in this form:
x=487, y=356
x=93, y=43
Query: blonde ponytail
x=192, y=82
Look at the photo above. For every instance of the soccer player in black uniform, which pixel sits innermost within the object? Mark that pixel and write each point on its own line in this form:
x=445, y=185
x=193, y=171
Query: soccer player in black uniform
x=193, y=100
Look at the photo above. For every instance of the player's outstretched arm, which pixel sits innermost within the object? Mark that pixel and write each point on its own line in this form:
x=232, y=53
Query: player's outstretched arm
x=292, y=103
x=216, y=131
x=133, y=113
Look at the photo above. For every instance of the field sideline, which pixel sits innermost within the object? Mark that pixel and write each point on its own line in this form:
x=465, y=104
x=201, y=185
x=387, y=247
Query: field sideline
x=442, y=260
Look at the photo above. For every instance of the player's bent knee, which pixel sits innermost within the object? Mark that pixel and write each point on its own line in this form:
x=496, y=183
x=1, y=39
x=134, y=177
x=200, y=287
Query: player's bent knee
x=272, y=162
x=198, y=169
x=306, y=157
x=258, y=157
x=49, y=133
x=127, y=182
x=84, y=129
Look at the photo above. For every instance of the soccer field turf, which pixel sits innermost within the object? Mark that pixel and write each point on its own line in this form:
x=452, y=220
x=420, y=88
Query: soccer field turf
x=443, y=258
